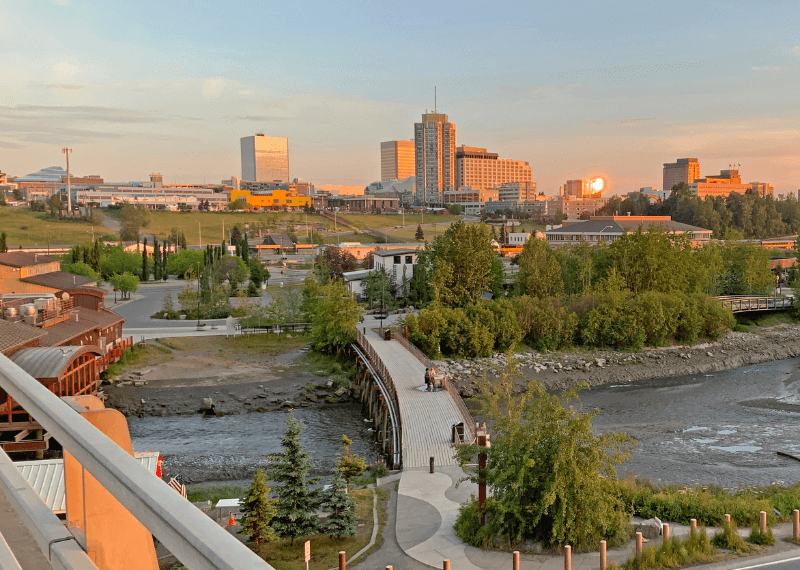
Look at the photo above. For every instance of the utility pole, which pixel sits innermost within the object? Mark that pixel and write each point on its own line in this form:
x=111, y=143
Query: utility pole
x=200, y=233
x=67, y=151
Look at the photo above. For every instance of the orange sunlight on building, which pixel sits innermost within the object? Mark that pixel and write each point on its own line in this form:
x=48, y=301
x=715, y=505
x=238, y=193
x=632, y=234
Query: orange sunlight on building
x=275, y=199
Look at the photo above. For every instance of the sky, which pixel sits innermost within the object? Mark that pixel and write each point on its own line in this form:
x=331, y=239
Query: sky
x=577, y=89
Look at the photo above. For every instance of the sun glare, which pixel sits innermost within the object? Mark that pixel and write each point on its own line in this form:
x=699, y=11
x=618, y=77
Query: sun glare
x=598, y=184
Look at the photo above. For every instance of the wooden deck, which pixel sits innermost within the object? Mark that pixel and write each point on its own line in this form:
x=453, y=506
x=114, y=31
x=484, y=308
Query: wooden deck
x=427, y=417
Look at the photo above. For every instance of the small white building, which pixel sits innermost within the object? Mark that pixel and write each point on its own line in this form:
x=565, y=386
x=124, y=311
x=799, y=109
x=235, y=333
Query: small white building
x=399, y=264
x=518, y=239
x=354, y=281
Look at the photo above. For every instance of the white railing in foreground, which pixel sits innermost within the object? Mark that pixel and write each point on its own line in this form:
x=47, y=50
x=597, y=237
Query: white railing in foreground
x=196, y=540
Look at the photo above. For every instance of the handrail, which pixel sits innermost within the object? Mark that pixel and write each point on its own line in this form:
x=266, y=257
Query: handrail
x=196, y=540
x=393, y=407
x=744, y=303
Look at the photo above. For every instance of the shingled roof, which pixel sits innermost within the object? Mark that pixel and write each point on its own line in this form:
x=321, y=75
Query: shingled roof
x=13, y=335
x=24, y=259
x=87, y=320
x=60, y=280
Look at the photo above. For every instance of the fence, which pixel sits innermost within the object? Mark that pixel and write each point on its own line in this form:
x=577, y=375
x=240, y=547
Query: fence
x=380, y=367
x=288, y=327
x=745, y=303
x=113, y=354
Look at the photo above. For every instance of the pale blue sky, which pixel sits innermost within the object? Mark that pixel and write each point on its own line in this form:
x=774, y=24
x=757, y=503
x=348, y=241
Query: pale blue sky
x=577, y=89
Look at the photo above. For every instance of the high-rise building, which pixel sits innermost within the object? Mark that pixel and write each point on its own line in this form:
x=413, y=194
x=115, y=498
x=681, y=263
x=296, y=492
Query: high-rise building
x=727, y=182
x=434, y=154
x=481, y=170
x=517, y=191
x=397, y=160
x=265, y=159
x=683, y=170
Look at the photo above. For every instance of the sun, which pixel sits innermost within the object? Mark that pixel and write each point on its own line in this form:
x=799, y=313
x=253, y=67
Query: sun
x=598, y=184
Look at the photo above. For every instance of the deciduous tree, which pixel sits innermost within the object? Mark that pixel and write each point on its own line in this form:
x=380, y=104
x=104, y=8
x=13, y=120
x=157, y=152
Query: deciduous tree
x=462, y=264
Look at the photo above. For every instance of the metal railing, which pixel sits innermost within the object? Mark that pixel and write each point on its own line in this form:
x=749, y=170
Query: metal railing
x=392, y=406
x=196, y=540
x=380, y=367
x=744, y=303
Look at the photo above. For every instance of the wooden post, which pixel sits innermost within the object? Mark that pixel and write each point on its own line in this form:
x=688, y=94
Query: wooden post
x=602, y=555
x=638, y=546
x=432, y=470
x=445, y=565
x=694, y=525
x=342, y=560
x=763, y=525
x=515, y=565
x=568, y=557
x=727, y=519
x=665, y=531
x=796, y=525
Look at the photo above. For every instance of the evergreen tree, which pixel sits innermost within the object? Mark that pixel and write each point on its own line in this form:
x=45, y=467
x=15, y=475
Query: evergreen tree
x=145, y=272
x=156, y=260
x=245, y=249
x=259, y=510
x=3, y=243
x=183, y=240
x=164, y=271
x=94, y=259
x=503, y=236
x=297, y=502
x=342, y=508
x=420, y=235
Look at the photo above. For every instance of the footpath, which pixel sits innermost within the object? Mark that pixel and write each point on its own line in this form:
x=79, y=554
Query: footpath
x=427, y=504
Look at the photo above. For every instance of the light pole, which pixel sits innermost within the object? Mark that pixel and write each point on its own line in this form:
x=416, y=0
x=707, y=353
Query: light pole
x=67, y=151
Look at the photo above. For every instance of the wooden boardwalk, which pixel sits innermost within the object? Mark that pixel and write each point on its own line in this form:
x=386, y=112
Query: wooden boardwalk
x=427, y=417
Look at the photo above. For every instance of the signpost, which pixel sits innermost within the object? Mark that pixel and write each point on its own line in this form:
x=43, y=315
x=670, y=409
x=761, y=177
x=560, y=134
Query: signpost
x=307, y=553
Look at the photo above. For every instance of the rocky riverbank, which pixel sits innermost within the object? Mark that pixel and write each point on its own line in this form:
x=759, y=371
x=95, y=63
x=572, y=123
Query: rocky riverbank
x=560, y=370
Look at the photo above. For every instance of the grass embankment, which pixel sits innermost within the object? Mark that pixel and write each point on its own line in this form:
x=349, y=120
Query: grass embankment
x=24, y=227
x=749, y=323
x=239, y=347
x=380, y=221
x=139, y=357
x=200, y=493
x=210, y=223
x=325, y=550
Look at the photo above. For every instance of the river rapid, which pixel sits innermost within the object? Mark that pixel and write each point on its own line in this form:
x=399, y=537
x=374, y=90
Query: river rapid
x=229, y=449
x=722, y=428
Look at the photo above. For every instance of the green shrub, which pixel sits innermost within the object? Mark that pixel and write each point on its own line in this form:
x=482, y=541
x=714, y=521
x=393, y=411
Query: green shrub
x=729, y=539
x=674, y=553
x=545, y=323
x=761, y=538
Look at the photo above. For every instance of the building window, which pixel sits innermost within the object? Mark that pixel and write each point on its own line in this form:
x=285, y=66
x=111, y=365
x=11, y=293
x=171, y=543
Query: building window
x=408, y=260
x=396, y=259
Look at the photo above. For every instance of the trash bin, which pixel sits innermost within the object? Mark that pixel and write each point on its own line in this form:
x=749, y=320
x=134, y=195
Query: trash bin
x=387, y=334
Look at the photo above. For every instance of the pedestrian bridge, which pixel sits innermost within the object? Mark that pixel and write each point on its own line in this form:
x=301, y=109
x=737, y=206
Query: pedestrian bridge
x=749, y=303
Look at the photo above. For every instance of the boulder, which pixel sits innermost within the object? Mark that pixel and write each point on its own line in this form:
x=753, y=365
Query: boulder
x=208, y=404
x=600, y=362
x=650, y=528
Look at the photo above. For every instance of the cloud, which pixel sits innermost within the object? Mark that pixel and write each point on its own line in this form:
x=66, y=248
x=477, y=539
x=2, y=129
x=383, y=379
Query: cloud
x=65, y=69
x=796, y=50
x=259, y=118
x=83, y=114
x=65, y=86
x=767, y=69
x=214, y=87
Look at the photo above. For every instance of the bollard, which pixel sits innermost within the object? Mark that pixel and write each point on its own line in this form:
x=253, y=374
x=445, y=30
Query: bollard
x=763, y=526
x=694, y=526
x=445, y=565
x=796, y=525
x=568, y=557
x=342, y=561
x=602, y=555
x=638, y=546
x=389, y=568
x=727, y=519
x=665, y=531
x=431, y=464
x=516, y=560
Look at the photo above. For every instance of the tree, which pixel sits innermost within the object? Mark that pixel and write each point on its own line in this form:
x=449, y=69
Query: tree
x=352, y=465
x=258, y=510
x=297, y=502
x=551, y=477
x=56, y=204
x=119, y=261
x=420, y=235
x=258, y=272
x=3, y=243
x=334, y=319
x=539, y=270
x=164, y=267
x=338, y=260
x=455, y=209
x=125, y=282
x=156, y=260
x=145, y=269
x=235, y=235
x=341, y=506
x=132, y=219
x=462, y=260
x=503, y=235
x=81, y=268
x=379, y=287
x=181, y=262
x=232, y=269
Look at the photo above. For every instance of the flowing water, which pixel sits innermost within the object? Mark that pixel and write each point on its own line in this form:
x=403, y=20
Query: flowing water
x=231, y=448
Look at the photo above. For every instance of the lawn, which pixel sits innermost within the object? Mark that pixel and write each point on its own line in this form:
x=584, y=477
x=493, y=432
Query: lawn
x=379, y=221
x=209, y=224
x=239, y=346
x=139, y=357
x=24, y=227
x=284, y=555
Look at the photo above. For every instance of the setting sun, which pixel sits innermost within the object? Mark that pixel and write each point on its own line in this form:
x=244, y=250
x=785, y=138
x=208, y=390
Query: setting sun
x=598, y=184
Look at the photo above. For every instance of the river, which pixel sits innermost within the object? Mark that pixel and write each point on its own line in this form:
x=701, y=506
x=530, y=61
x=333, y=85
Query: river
x=723, y=429
x=231, y=448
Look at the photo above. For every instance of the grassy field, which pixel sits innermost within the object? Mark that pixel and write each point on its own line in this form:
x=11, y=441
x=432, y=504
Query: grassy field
x=24, y=227
x=240, y=346
x=379, y=221
x=139, y=357
x=210, y=223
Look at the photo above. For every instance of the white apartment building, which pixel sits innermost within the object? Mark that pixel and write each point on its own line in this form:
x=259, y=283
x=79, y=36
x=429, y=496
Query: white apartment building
x=399, y=264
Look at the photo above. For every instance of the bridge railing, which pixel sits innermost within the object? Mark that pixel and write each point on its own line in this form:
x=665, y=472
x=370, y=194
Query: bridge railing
x=196, y=540
x=745, y=303
x=380, y=367
x=469, y=422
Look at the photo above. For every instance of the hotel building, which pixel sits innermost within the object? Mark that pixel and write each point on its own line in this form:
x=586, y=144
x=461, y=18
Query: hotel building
x=265, y=159
x=434, y=154
x=481, y=170
x=397, y=160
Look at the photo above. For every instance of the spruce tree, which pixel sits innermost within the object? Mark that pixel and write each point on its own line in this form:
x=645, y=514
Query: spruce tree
x=342, y=508
x=156, y=261
x=3, y=243
x=145, y=272
x=420, y=235
x=259, y=510
x=164, y=271
x=297, y=502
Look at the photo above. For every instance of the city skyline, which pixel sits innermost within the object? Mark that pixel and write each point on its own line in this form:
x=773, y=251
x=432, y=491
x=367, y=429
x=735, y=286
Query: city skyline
x=577, y=91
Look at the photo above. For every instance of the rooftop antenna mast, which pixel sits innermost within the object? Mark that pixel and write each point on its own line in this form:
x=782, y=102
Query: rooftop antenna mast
x=435, y=106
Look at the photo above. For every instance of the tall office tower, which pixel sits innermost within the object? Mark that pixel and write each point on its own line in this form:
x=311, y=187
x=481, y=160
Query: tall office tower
x=265, y=159
x=397, y=160
x=434, y=154
x=481, y=170
x=684, y=170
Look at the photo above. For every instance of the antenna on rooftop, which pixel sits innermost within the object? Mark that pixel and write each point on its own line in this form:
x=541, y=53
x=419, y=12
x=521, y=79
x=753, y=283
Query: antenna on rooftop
x=435, y=106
